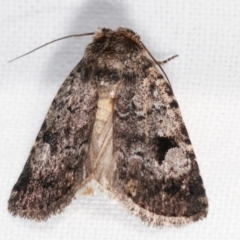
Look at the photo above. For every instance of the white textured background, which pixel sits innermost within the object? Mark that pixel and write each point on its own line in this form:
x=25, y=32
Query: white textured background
x=205, y=79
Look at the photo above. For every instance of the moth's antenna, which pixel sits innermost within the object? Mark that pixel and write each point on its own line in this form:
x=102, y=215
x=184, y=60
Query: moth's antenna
x=74, y=35
x=158, y=63
x=167, y=60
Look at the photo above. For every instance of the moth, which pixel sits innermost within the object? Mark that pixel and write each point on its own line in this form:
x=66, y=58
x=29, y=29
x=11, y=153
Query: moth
x=114, y=120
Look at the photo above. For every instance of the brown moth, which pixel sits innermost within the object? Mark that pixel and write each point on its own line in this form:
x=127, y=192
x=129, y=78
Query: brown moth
x=114, y=120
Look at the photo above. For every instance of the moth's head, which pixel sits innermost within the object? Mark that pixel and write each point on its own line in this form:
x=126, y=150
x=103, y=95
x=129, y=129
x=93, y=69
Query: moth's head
x=120, y=41
x=117, y=35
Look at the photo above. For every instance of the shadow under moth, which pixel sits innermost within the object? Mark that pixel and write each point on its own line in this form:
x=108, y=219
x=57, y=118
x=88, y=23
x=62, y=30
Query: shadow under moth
x=114, y=120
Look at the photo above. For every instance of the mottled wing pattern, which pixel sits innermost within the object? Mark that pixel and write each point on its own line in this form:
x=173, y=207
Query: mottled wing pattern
x=156, y=176
x=115, y=119
x=57, y=162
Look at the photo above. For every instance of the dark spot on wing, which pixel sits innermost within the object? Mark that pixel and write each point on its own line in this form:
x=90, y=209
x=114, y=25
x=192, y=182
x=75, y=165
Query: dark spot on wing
x=51, y=139
x=168, y=90
x=173, y=186
x=191, y=155
x=160, y=76
x=23, y=180
x=185, y=134
x=152, y=87
x=85, y=73
x=161, y=147
x=174, y=104
x=146, y=64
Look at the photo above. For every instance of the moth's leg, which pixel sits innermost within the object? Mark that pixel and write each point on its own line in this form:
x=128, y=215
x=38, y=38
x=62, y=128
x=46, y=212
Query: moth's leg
x=167, y=60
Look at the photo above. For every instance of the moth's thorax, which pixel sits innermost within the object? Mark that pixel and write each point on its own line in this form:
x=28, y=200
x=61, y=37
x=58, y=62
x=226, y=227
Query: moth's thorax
x=114, y=55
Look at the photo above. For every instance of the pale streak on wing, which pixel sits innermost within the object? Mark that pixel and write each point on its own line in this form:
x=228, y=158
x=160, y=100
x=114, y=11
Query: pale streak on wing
x=101, y=146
